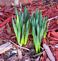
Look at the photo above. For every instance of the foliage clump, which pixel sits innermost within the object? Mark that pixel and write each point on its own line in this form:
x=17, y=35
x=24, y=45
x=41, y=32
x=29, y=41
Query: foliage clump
x=21, y=27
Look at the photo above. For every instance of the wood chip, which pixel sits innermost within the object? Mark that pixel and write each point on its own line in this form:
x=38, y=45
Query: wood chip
x=49, y=53
x=5, y=47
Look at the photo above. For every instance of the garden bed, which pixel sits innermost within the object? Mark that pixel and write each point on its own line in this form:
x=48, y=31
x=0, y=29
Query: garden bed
x=7, y=34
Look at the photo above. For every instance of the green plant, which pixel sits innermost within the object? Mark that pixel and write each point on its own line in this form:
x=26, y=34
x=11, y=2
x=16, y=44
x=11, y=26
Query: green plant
x=39, y=28
x=21, y=26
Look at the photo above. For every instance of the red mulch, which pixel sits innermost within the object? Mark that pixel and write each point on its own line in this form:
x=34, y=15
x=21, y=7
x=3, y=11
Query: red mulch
x=6, y=13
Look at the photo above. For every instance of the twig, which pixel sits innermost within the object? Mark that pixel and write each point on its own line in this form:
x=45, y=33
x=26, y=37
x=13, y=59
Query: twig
x=38, y=54
x=17, y=46
x=19, y=54
x=52, y=18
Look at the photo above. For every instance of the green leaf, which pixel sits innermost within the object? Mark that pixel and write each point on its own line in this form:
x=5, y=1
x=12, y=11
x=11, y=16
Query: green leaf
x=40, y=18
x=25, y=15
x=14, y=27
x=23, y=36
x=37, y=17
x=27, y=32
